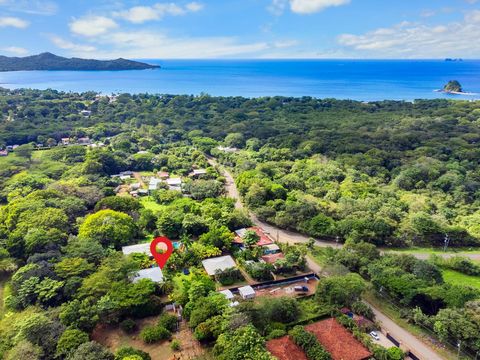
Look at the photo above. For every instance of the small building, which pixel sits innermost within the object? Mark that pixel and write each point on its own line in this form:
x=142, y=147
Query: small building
x=271, y=249
x=128, y=172
x=220, y=263
x=174, y=184
x=246, y=292
x=155, y=274
x=142, y=192
x=153, y=184
x=263, y=240
x=65, y=141
x=86, y=113
x=272, y=258
x=228, y=294
x=135, y=186
x=3, y=152
x=84, y=141
x=143, y=248
x=227, y=149
x=198, y=172
x=163, y=175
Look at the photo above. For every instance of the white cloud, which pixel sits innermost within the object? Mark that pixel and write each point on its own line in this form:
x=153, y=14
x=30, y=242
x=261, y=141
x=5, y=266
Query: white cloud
x=37, y=7
x=92, y=25
x=141, y=14
x=194, y=6
x=312, y=6
x=15, y=50
x=67, y=45
x=277, y=7
x=417, y=40
x=9, y=21
x=303, y=7
x=151, y=44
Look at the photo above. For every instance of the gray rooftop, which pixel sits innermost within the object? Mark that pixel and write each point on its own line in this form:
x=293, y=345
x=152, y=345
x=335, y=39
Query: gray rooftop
x=218, y=263
x=155, y=274
x=143, y=248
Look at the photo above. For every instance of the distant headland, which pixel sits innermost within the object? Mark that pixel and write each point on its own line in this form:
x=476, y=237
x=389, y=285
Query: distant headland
x=49, y=61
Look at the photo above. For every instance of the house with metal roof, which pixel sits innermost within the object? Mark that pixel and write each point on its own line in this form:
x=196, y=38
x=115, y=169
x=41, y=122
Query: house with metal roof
x=220, y=263
x=155, y=274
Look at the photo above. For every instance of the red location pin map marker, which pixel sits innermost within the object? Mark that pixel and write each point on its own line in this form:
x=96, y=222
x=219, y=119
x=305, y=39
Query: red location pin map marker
x=161, y=257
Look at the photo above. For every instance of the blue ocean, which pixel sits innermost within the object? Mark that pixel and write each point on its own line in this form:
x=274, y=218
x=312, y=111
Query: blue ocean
x=365, y=80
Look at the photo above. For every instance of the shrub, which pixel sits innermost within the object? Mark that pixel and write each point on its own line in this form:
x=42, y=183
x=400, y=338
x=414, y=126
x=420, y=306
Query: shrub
x=126, y=351
x=175, y=345
x=128, y=326
x=309, y=343
x=152, y=334
x=276, y=333
x=228, y=276
x=168, y=321
x=260, y=271
x=360, y=308
x=70, y=341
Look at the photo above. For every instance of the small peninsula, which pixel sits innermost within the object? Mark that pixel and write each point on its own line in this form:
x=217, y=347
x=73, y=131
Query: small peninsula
x=49, y=61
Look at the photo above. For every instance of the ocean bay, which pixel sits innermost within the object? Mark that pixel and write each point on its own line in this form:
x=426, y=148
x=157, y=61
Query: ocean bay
x=364, y=80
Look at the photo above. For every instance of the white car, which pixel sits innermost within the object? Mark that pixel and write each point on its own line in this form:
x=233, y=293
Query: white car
x=374, y=335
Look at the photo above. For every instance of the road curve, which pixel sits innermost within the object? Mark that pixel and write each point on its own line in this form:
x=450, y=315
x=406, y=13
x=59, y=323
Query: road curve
x=418, y=347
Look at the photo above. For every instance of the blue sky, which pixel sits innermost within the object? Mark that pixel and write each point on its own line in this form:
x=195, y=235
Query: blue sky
x=242, y=28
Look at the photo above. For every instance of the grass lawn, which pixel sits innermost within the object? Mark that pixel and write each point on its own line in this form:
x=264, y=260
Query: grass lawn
x=437, y=251
x=319, y=254
x=150, y=204
x=455, y=277
x=3, y=282
x=310, y=308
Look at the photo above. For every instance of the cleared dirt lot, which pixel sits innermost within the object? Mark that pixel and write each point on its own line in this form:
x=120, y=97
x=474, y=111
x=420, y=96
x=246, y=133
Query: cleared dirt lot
x=288, y=289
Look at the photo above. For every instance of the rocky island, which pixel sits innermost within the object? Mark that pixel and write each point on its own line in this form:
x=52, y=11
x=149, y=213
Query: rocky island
x=49, y=61
x=453, y=86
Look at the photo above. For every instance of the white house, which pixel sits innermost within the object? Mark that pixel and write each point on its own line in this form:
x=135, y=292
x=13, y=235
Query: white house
x=246, y=292
x=174, y=184
x=153, y=184
x=228, y=294
x=143, y=248
x=155, y=274
x=198, y=172
x=220, y=263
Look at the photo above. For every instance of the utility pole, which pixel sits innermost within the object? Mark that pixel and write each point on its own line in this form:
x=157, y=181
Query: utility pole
x=459, y=345
x=446, y=241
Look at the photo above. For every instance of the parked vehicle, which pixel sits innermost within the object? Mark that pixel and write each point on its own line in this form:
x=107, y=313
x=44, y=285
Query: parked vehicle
x=301, y=288
x=374, y=335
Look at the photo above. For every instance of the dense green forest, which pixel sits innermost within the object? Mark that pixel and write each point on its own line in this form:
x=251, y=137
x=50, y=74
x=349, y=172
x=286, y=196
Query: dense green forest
x=383, y=173
x=391, y=173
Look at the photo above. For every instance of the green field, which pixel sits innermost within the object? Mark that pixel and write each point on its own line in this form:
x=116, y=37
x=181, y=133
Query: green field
x=436, y=251
x=3, y=282
x=150, y=204
x=455, y=277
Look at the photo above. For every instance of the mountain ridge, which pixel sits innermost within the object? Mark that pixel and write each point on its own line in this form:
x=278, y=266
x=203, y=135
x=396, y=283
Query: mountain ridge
x=49, y=61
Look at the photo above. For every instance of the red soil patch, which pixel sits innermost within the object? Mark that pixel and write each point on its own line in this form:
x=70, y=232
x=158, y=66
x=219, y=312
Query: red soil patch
x=338, y=341
x=285, y=349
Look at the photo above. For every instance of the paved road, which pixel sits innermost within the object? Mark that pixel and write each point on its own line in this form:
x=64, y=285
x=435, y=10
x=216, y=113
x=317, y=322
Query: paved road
x=419, y=348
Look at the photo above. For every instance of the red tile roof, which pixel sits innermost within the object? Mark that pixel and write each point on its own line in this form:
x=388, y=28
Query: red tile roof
x=264, y=239
x=271, y=258
x=338, y=341
x=285, y=349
